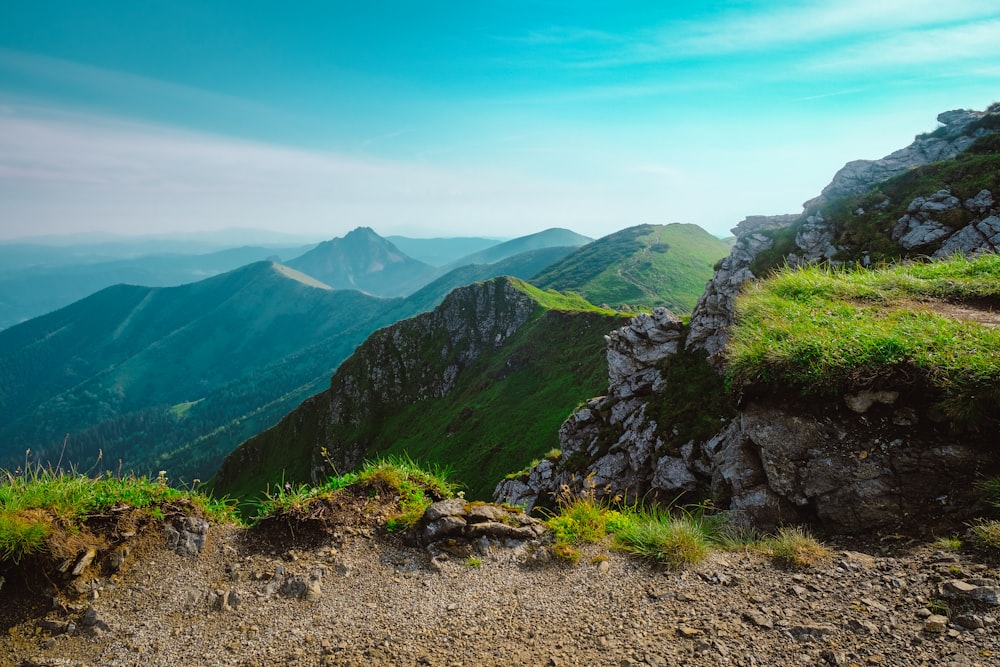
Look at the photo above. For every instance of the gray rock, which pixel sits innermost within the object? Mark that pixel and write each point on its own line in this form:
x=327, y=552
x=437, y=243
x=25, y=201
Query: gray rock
x=759, y=619
x=445, y=508
x=303, y=587
x=981, y=203
x=858, y=176
x=673, y=476
x=985, y=591
x=863, y=400
x=92, y=621
x=936, y=624
x=970, y=621
x=186, y=535
x=117, y=557
x=447, y=526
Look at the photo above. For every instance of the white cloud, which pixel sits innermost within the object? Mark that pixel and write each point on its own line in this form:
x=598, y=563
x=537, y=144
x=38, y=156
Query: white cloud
x=67, y=172
x=765, y=29
x=952, y=44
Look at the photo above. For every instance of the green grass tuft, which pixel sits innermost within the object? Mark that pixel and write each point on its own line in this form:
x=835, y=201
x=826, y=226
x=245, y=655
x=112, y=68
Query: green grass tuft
x=415, y=487
x=32, y=503
x=986, y=534
x=667, y=539
x=793, y=547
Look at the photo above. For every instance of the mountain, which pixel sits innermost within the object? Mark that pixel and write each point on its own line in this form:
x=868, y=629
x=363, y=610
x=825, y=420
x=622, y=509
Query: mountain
x=522, y=266
x=364, y=261
x=549, y=238
x=479, y=385
x=643, y=266
x=173, y=378
x=37, y=279
x=829, y=373
x=441, y=251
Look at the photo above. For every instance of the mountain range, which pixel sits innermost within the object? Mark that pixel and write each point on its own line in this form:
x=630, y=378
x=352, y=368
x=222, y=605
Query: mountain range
x=149, y=378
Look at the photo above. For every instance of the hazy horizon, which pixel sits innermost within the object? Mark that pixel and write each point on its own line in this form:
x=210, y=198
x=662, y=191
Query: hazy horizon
x=479, y=119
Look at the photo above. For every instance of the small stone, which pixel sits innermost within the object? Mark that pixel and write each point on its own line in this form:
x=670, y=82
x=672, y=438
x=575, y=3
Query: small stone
x=936, y=624
x=685, y=631
x=759, y=619
x=970, y=621
x=84, y=562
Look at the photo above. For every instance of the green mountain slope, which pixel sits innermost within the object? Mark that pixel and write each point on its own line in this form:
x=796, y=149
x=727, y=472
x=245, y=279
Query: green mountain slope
x=480, y=385
x=35, y=280
x=523, y=266
x=644, y=266
x=549, y=238
x=174, y=377
x=441, y=251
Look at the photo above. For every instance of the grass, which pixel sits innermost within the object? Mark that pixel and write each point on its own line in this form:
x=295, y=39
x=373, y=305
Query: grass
x=986, y=534
x=828, y=331
x=948, y=543
x=668, y=539
x=641, y=267
x=671, y=537
x=794, y=548
x=36, y=504
x=414, y=486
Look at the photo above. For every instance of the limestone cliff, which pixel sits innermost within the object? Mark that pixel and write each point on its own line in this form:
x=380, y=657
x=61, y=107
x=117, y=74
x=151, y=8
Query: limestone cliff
x=779, y=462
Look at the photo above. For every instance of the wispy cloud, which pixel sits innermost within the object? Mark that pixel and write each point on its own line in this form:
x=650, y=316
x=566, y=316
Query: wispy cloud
x=952, y=44
x=78, y=172
x=769, y=28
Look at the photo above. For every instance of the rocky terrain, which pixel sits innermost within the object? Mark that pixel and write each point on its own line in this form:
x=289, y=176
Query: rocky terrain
x=333, y=588
x=878, y=460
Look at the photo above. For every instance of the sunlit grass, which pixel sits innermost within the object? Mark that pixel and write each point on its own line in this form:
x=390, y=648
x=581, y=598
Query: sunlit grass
x=795, y=548
x=33, y=502
x=826, y=331
x=414, y=487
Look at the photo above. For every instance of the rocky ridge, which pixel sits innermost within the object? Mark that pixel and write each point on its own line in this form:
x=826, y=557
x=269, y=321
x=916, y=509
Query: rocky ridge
x=881, y=461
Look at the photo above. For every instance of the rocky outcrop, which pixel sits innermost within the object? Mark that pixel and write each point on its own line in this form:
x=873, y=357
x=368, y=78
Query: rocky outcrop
x=954, y=136
x=458, y=527
x=390, y=366
x=871, y=462
x=713, y=314
x=851, y=466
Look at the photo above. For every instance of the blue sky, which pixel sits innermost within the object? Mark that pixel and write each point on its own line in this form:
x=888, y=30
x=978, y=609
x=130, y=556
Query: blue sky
x=466, y=117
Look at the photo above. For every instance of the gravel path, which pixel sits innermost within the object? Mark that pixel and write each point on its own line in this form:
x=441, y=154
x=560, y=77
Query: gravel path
x=361, y=598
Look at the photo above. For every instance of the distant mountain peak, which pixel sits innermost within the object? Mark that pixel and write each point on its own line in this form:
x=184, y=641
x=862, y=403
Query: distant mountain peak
x=365, y=261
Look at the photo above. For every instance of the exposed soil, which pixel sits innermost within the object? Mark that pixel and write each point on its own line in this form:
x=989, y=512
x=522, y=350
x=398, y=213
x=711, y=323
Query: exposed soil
x=336, y=589
x=983, y=312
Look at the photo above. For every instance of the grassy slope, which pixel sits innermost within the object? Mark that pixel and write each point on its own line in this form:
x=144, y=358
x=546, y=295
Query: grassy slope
x=642, y=267
x=504, y=411
x=145, y=373
x=823, y=331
